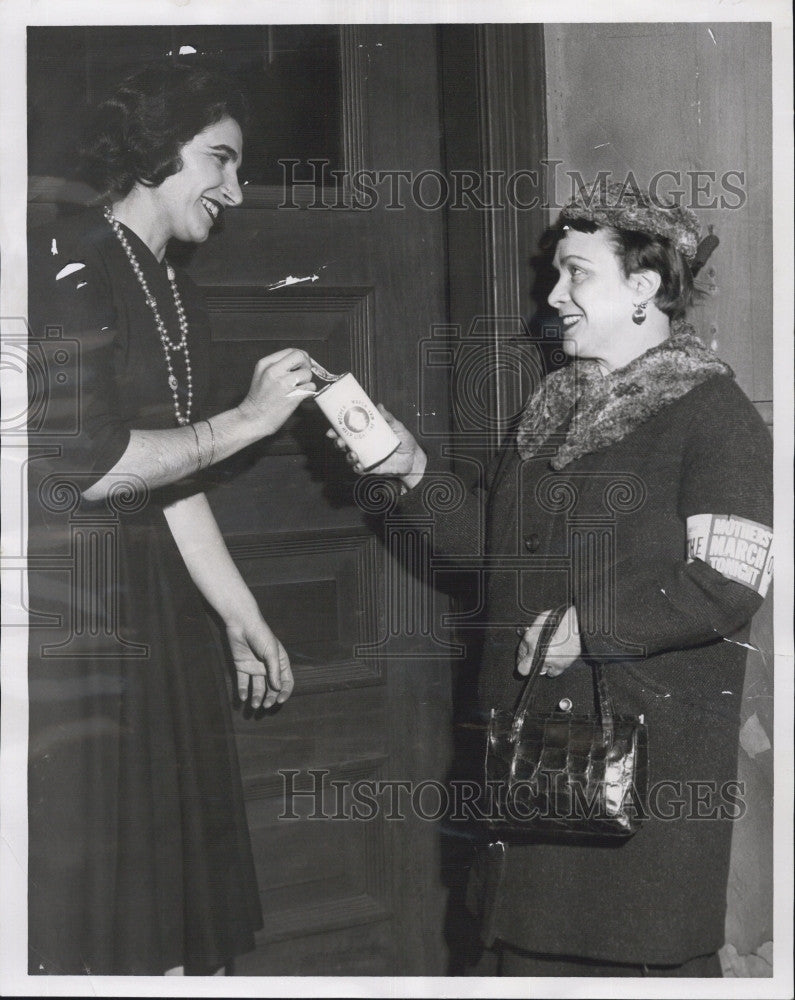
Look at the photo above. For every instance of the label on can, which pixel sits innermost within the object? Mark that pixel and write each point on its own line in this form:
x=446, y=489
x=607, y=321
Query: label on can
x=348, y=408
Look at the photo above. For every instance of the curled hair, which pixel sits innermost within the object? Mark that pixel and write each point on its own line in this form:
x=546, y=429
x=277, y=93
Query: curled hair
x=139, y=130
x=640, y=251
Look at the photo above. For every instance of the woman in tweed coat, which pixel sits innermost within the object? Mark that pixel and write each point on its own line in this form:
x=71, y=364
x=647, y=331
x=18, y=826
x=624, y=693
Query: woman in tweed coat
x=636, y=494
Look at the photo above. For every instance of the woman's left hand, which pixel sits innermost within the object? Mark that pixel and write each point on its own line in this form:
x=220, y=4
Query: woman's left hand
x=261, y=663
x=564, y=648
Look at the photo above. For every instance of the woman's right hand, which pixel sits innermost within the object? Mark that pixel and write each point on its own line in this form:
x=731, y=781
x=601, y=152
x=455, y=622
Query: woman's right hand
x=407, y=462
x=272, y=396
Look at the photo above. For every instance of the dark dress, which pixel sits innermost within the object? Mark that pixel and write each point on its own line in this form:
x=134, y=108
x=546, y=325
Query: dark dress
x=671, y=637
x=139, y=853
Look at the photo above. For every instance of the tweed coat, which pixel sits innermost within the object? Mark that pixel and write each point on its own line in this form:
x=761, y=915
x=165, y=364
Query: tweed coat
x=608, y=534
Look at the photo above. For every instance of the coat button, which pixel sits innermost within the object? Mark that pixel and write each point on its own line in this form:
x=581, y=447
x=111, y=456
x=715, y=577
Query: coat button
x=531, y=542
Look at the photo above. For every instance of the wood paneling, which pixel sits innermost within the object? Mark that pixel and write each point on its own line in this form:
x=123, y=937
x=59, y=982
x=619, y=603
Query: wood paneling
x=332, y=872
x=493, y=91
x=322, y=596
x=333, y=324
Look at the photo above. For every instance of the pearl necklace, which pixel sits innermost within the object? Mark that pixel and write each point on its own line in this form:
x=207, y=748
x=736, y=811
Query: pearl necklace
x=169, y=346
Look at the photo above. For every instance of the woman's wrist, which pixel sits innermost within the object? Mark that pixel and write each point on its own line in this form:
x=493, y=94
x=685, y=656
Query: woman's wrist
x=248, y=423
x=225, y=434
x=241, y=610
x=205, y=444
x=261, y=418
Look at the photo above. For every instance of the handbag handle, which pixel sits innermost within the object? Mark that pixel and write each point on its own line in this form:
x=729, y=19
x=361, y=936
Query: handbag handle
x=604, y=705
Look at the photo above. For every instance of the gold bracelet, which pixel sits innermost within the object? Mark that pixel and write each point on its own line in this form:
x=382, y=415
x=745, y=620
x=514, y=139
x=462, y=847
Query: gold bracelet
x=212, y=444
x=198, y=449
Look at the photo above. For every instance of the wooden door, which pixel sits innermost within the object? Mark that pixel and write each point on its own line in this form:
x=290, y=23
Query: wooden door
x=340, y=895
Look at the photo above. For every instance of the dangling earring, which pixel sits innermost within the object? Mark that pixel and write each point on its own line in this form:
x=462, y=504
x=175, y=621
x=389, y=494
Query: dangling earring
x=639, y=316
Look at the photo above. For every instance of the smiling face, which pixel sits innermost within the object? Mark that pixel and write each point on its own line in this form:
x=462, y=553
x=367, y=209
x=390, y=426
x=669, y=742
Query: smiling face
x=595, y=300
x=189, y=202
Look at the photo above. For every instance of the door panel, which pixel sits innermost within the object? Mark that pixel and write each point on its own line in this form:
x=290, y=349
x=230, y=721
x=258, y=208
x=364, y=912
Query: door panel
x=333, y=324
x=321, y=594
x=330, y=874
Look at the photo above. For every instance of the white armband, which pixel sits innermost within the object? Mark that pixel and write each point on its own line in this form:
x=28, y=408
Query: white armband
x=737, y=547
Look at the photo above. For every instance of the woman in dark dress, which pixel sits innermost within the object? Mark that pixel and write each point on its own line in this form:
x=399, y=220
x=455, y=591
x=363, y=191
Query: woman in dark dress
x=139, y=854
x=636, y=493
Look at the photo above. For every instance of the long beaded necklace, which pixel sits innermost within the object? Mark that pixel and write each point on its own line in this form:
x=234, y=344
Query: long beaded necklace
x=169, y=347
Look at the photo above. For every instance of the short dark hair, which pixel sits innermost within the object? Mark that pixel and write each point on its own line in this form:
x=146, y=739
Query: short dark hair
x=138, y=131
x=639, y=251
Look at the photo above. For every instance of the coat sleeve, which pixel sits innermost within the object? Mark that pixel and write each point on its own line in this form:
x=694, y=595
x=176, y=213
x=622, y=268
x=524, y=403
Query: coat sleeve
x=459, y=516
x=676, y=604
x=72, y=317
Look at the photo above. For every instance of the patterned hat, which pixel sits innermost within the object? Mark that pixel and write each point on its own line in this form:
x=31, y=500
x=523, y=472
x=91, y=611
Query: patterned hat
x=623, y=206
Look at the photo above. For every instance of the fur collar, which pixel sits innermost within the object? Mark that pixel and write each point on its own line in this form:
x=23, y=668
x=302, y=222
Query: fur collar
x=608, y=407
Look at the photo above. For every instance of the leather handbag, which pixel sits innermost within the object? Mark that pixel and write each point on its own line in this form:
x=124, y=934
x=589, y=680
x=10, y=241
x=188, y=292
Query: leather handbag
x=558, y=773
